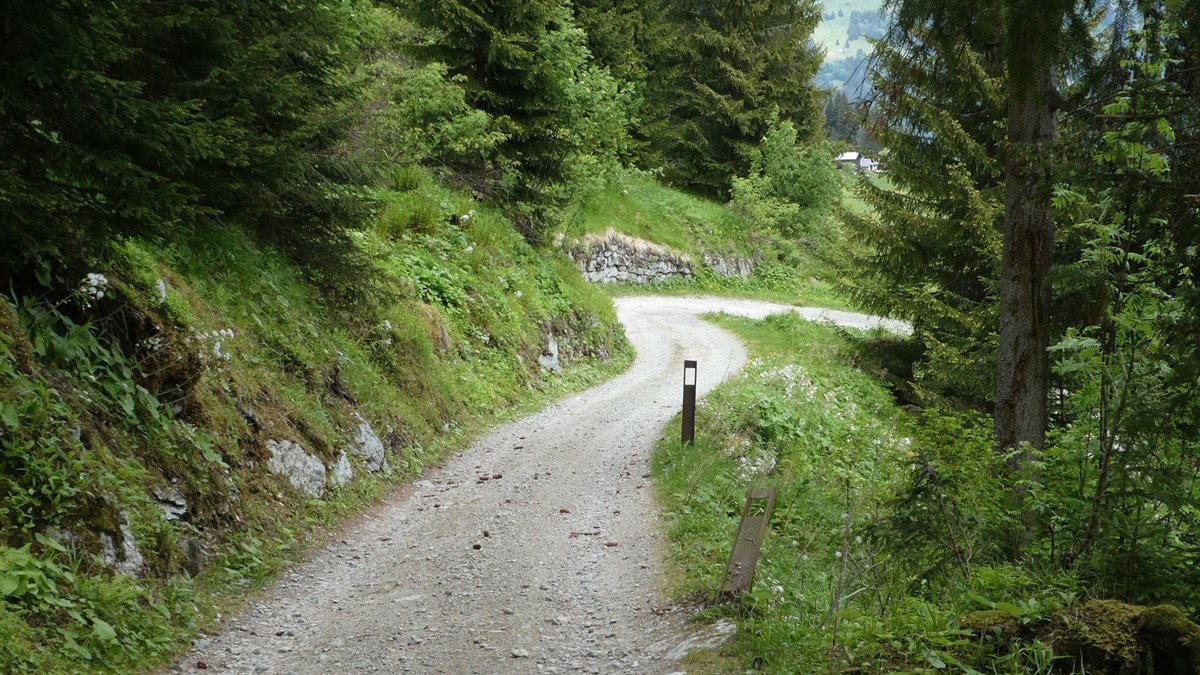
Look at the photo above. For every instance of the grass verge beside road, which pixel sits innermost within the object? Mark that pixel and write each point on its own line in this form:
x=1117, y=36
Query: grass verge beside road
x=830, y=438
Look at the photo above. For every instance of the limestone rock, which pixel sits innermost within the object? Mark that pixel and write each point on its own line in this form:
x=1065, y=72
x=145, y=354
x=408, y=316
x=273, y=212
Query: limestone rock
x=193, y=552
x=615, y=257
x=549, y=358
x=368, y=446
x=341, y=472
x=171, y=501
x=729, y=266
x=128, y=559
x=305, y=472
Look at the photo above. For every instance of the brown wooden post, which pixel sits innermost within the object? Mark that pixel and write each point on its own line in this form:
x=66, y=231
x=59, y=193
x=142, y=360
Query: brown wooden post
x=688, y=433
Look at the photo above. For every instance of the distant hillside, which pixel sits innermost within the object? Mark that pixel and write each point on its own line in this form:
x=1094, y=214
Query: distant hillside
x=843, y=32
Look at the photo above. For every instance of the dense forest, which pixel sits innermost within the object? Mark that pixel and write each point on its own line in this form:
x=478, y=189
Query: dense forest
x=369, y=191
x=1039, y=229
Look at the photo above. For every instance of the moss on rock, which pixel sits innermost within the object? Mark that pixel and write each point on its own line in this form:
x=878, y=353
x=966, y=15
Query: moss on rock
x=1109, y=636
x=1173, y=640
x=992, y=622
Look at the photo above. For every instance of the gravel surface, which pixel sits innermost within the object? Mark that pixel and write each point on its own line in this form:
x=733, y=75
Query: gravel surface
x=538, y=549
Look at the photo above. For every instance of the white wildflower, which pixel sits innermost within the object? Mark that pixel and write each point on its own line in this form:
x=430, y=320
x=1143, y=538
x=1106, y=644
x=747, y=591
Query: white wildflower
x=387, y=324
x=154, y=343
x=161, y=287
x=94, y=285
x=519, y=294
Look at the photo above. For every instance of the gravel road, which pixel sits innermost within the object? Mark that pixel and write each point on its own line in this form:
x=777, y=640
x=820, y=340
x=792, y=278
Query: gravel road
x=538, y=549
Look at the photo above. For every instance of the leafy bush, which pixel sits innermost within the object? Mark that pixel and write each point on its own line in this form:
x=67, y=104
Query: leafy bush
x=791, y=188
x=108, y=623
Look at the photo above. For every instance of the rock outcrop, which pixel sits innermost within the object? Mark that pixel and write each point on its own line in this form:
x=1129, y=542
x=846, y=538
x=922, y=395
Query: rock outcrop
x=368, y=446
x=615, y=257
x=305, y=472
x=729, y=266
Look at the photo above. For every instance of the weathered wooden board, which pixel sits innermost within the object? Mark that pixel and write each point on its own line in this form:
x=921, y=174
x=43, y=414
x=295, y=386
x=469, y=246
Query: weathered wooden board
x=743, y=558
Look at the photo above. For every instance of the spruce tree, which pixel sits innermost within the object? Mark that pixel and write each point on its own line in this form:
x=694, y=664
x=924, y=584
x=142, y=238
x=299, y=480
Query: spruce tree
x=928, y=250
x=729, y=70
x=144, y=117
x=527, y=65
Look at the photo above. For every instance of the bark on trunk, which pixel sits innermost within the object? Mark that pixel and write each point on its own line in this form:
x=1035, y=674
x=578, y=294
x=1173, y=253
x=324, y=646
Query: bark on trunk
x=1023, y=365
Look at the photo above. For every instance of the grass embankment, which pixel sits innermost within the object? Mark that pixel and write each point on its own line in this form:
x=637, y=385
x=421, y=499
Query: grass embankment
x=830, y=439
x=165, y=378
x=638, y=206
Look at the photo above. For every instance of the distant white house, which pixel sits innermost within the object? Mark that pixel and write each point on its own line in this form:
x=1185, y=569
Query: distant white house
x=848, y=158
x=856, y=161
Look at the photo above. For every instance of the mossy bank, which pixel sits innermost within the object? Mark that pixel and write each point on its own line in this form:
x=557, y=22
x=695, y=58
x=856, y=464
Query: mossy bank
x=184, y=417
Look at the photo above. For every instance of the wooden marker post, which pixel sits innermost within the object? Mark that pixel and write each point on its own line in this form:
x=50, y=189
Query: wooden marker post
x=688, y=433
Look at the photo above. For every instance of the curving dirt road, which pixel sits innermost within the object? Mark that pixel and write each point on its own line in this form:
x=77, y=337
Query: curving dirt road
x=536, y=550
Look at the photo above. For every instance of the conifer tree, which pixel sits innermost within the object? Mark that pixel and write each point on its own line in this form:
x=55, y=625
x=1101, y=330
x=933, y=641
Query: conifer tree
x=527, y=65
x=928, y=249
x=143, y=117
x=728, y=70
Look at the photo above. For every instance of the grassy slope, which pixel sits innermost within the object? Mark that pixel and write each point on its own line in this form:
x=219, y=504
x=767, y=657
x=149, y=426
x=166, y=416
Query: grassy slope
x=245, y=351
x=638, y=206
x=831, y=439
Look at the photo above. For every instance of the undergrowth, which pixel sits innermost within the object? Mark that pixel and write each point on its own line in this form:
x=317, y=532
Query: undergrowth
x=881, y=555
x=829, y=439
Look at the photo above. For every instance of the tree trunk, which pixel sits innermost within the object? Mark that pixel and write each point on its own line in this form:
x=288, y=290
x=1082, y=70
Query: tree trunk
x=1023, y=365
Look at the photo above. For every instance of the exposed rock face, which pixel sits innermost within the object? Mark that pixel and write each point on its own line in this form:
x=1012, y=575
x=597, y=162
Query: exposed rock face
x=368, y=446
x=305, y=472
x=128, y=559
x=729, y=266
x=171, y=501
x=549, y=358
x=193, y=552
x=341, y=472
x=615, y=257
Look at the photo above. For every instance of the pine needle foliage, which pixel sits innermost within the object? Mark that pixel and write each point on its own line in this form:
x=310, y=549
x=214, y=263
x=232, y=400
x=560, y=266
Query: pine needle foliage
x=928, y=250
x=730, y=71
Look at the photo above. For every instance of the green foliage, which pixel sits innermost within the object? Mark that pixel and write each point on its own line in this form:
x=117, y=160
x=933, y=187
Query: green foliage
x=639, y=206
x=928, y=248
x=176, y=361
x=884, y=552
x=791, y=188
x=109, y=624
x=410, y=113
x=135, y=119
x=423, y=114
x=564, y=118
x=830, y=439
x=721, y=77
x=1120, y=462
x=621, y=34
